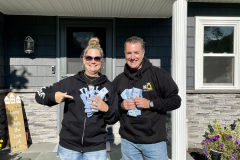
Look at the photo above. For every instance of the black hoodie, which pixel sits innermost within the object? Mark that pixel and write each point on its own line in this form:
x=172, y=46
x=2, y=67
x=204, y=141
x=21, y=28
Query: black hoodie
x=157, y=86
x=80, y=133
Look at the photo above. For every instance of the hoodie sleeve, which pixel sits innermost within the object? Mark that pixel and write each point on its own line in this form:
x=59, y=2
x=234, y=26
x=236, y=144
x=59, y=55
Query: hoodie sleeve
x=168, y=98
x=115, y=84
x=112, y=115
x=46, y=95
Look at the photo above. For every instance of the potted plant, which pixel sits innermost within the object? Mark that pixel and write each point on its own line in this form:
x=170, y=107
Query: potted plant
x=222, y=143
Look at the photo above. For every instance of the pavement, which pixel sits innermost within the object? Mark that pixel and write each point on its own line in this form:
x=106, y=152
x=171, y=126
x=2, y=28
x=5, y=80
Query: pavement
x=48, y=151
x=39, y=151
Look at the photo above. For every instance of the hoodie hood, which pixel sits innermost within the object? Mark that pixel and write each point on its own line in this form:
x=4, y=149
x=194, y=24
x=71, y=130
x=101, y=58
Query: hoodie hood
x=137, y=74
x=102, y=78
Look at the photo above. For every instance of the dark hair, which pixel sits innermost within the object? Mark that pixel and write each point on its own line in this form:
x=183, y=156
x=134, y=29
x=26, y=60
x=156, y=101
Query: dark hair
x=135, y=39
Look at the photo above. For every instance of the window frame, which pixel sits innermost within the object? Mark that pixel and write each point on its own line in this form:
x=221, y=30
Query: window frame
x=200, y=23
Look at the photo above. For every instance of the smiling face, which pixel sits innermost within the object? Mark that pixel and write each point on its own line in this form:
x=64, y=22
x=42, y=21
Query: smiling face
x=92, y=66
x=134, y=54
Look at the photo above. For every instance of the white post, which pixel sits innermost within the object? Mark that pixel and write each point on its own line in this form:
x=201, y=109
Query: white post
x=179, y=47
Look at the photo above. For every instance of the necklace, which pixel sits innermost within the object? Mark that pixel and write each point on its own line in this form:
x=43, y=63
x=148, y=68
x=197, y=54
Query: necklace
x=90, y=79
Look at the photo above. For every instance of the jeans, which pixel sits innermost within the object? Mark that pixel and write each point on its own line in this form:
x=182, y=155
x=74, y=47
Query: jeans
x=133, y=151
x=67, y=154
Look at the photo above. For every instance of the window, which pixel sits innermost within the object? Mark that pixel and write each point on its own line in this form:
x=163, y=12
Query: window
x=217, y=53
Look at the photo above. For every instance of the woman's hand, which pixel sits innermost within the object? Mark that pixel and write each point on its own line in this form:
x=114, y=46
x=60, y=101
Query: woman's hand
x=99, y=104
x=60, y=97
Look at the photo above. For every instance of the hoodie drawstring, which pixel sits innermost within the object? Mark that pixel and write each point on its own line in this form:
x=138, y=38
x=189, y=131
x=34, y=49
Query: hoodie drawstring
x=139, y=74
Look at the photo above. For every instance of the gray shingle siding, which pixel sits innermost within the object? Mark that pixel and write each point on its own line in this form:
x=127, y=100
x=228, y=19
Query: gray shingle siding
x=157, y=34
x=203, y=9
x=29, y=71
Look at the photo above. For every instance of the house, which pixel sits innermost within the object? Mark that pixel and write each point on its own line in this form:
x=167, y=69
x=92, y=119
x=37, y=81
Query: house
x=195, y=40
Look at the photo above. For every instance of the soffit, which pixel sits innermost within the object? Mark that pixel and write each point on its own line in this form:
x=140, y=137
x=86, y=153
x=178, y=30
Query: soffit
x=89, y=8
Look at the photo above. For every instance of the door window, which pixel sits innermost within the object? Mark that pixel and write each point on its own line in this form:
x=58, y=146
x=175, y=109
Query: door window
x=77, y=41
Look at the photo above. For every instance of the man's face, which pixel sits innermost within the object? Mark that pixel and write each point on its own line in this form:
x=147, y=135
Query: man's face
x=134, y=54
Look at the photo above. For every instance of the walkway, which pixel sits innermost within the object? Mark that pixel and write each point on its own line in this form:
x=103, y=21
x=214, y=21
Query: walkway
x=47, y=151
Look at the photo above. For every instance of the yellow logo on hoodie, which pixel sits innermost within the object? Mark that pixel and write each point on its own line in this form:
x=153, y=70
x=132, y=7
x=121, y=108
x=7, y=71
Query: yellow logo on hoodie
x=147, y=87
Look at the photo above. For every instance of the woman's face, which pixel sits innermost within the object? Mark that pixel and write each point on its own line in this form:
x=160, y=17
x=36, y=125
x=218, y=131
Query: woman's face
x=92, y=61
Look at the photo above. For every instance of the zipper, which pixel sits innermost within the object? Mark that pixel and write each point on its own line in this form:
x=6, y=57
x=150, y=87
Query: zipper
x=84, y=121
x=83, y=129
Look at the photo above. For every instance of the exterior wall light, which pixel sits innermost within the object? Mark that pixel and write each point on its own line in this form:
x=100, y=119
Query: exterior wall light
x=28, y=45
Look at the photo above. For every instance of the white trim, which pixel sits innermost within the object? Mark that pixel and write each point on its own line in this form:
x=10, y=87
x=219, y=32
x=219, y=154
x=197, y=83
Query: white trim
x=200, y=22
x=179, y=49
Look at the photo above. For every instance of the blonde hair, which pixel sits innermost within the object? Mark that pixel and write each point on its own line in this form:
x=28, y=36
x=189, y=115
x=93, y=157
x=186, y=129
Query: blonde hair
x=93, y=44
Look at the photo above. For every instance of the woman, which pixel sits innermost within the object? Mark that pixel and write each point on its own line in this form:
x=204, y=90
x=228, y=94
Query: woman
x=90, y=104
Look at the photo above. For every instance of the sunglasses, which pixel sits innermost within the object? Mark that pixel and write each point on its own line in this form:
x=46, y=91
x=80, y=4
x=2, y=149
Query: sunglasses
x=90, y=58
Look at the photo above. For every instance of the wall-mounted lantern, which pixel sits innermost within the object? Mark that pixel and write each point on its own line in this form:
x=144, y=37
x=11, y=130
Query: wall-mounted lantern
x=28, y=45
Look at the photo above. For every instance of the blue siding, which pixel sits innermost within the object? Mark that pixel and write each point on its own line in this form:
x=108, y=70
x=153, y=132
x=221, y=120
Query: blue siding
x=157, y=34
x=213, y=9
x=2, y=54
x=30, y=71
x=41, y=29
x=203, y=9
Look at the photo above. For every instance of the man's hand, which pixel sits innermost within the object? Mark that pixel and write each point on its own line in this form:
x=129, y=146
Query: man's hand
x=59, y=97
x=99, y=103
x=141, y=102
x=128, y=104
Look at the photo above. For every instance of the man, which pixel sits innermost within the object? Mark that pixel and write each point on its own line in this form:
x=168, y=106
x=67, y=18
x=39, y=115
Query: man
x=146, y=93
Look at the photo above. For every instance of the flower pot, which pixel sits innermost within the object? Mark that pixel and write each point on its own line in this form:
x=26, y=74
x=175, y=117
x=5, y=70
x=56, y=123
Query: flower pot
x=216, y=155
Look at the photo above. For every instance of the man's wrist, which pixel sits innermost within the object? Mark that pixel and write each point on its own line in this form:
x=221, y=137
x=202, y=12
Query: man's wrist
x=151, y=105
